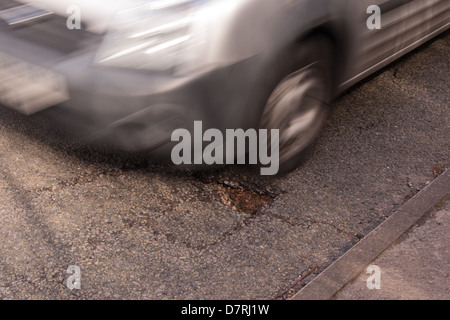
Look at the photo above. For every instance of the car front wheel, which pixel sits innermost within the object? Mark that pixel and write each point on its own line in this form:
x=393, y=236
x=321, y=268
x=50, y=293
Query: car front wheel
x=300, y=101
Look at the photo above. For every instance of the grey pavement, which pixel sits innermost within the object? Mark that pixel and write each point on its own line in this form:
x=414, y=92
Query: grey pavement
x=361, y=256
x=416, y=267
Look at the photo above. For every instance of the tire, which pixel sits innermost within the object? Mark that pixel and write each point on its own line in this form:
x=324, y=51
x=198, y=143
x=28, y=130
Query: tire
x=299, y=103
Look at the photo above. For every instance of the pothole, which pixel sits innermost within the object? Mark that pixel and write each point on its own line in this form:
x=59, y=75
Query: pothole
x=438, y=169
x=237, y=189
x=242, y=199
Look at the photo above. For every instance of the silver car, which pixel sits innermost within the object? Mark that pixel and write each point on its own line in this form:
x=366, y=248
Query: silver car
x=133, y=71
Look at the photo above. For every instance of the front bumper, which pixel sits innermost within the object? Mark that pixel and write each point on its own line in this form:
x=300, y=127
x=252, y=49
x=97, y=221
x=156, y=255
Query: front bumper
x=133, y=109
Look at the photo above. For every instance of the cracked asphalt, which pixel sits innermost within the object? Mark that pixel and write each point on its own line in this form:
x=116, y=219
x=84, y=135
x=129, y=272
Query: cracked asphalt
x=139, y=229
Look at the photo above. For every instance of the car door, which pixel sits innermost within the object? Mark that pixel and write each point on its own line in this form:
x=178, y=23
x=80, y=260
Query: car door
x=404, y=24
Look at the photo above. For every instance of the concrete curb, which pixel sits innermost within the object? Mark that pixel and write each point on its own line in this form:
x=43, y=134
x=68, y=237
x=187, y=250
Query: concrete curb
x=353, y=262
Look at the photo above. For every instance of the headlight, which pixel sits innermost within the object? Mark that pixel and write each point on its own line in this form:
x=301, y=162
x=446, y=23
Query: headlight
x=155, y=35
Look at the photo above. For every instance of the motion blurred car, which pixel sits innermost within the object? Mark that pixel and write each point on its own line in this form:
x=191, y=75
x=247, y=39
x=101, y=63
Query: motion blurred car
x=136, y=70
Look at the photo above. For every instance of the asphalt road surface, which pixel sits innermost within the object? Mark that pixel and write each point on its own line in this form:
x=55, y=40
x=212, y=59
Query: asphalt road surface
x=138, y=229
